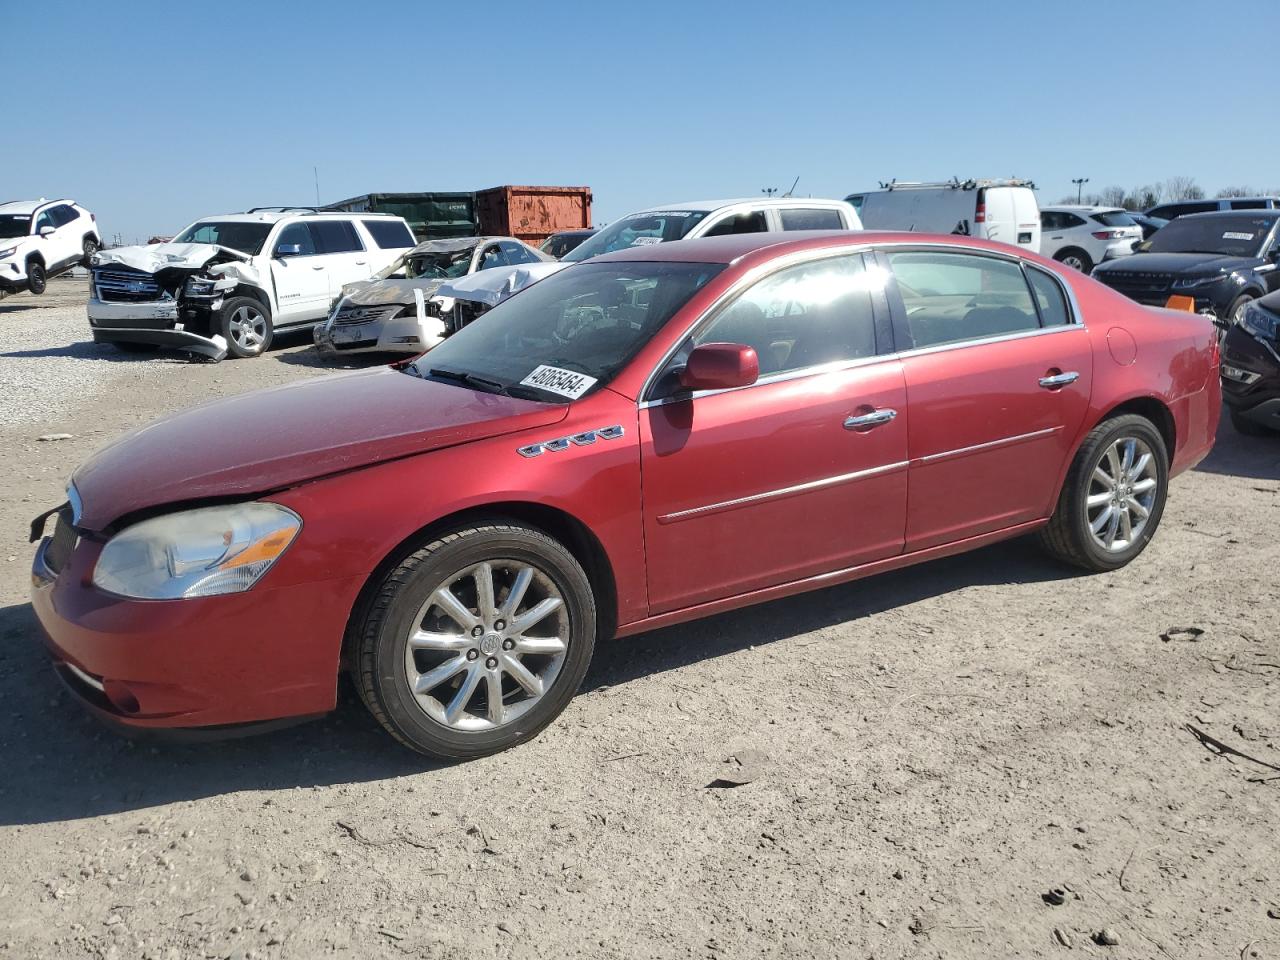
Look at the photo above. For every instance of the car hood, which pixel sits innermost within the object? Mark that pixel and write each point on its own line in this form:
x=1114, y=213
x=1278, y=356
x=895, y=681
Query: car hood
x=162, y=256
x=1176, y=263
x=494, y=285
x=374, y=292
x=15, y=242
x=269, y=439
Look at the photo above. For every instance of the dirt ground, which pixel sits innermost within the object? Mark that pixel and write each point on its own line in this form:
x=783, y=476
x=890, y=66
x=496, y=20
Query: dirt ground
x=943, y=747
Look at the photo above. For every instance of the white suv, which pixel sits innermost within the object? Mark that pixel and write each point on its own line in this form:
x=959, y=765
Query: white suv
x=225, y=284
x=40, y=239
x=1082, y=237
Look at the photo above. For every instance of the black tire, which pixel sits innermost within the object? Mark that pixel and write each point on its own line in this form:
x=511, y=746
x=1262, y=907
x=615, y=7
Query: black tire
x=89, y=248
x=1075, y=258
x=1236, y=306
x=398, y=608
x=1246, y=426
x=1068, y=536
x=237, y=311
x=37, y=280
x=137, y=347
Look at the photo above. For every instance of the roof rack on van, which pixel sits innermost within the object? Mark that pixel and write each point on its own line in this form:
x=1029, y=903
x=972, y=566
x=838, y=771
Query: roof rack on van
x=955, y=183
x=281, y=209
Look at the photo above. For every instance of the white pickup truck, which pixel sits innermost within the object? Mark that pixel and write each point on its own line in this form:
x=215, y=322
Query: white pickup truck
x=225, y=284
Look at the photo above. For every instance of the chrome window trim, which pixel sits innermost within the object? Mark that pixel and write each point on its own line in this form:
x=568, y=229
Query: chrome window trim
x=824, y=253
x=781, y=492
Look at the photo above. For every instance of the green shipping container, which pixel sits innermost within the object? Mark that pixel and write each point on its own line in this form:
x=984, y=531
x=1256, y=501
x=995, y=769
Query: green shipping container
x=431, y=216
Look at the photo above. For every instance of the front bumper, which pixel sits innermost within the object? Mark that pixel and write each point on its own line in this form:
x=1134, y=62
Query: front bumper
x=406, y=334
x=1121, y=248
x=1259, y=399
x=249, y=658
x=154, y=322
x=13, y=274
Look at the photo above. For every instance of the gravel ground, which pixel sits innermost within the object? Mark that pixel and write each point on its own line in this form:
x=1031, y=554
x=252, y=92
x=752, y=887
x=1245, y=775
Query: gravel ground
x=938, y=750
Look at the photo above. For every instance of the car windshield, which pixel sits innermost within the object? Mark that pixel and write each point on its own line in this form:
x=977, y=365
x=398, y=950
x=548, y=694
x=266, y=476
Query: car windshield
x=1226, y=236
x=430, y=266
x=238, y=235
x=636, y=230
x=568, y=334
x=14, y=225
x=1114, y=218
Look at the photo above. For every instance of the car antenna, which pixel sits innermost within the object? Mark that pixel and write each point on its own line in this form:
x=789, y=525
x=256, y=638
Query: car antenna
x=792, y=189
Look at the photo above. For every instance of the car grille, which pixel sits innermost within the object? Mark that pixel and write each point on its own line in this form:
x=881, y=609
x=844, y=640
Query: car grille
x=349, y=316
x=125, y=286
x=463, y=313
x=1140, y=285
x=62, y=543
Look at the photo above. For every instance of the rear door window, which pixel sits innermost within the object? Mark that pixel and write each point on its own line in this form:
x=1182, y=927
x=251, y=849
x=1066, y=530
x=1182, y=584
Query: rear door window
x=334, y=236
x=753, y=222
x=811, y=218
x=954, y=297
x=389, y=234
x=45, y=219
x=1049, y=298
x=63, y=214
x=492, y=257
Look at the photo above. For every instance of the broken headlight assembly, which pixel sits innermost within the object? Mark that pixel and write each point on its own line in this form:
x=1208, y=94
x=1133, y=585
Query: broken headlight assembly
x=199, y=287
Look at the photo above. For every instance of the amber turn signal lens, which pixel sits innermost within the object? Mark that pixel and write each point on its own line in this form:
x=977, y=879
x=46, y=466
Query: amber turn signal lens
x=1178, y=302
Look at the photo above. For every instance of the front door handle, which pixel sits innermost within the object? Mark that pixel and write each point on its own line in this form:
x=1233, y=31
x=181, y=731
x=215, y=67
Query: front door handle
x=873, y=419
x=315, y=267
x=1056, y=380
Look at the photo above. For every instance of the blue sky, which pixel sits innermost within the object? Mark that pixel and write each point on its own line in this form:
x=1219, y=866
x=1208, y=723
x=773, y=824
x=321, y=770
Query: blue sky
x=153, y=114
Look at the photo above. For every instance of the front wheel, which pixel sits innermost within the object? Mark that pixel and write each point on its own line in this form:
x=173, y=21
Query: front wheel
x=1113, y=497
x=1235, y=313
x=476, y=641
x=36, y=278
x=1076, y=259
x=246, y=326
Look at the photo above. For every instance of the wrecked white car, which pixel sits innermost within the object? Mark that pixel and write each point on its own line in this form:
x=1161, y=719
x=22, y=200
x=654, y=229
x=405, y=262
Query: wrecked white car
x=399, y=311
x=224, y=285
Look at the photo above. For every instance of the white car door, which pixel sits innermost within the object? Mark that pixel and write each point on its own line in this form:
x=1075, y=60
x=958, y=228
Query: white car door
x=300, y=274
x=343, y=251
x=54, y=246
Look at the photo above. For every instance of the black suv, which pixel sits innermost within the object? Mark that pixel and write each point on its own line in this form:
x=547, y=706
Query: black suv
x=1251, y=367
x=1221, y=260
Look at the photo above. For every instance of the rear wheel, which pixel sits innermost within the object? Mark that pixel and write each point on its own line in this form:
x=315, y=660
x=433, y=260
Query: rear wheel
x=90, y=247
x=476, y=641
x=1076, y=259
x=36, y=278
x=1113, y=497
x=246, y=326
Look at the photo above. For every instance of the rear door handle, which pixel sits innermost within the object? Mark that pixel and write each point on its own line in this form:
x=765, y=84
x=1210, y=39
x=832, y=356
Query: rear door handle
x=1057, y=380
x=873, y=419
x=315, y=267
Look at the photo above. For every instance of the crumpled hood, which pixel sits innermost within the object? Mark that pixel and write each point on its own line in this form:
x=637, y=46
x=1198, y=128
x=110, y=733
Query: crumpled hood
x=162, y=256
x=372, y=292
x=492, y=286
x=1196, y=264
x=261, y=441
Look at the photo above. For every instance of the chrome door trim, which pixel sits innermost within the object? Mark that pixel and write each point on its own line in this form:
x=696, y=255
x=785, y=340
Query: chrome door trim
x=781, y=492
x=825, y=253
x=1059, y=380
x=873, y=419
x=989, y=445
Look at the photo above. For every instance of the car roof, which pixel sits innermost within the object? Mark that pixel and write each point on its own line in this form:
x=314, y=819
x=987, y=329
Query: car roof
x=275, y=216
x=28, y=206
x=1232, y=214
x=707, y=206
x=731, y=248
x=1081, y=208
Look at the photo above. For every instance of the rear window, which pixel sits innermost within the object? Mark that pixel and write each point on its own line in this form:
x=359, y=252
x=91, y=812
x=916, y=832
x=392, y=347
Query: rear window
x=811, y=219
x=389, y=234
x=1114, y=218
x=335, y=236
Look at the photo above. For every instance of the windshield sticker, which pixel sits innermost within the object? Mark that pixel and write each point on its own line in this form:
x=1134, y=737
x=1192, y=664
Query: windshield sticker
x=1237, y=236
x=567, y=383
x=645, y=241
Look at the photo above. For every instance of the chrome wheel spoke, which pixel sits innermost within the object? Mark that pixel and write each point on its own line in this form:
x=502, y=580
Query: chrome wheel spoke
x=454, y=608
x=1099, y=499
x=1135, y=506
x=493, y=692
x=1113, y=527
x=484, y=593
x=1140, y=467
x=519, y=587
x=428, y=681
x=531, y=618
x=426, y=640
x=465, y=692
x=1104, y=478
x=1102, y=519
x=1145, y=486
x=521, y=675
x=1126, y=524
x=540, y=646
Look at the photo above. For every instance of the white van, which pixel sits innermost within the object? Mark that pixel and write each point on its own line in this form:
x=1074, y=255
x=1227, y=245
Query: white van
x=1003, y=210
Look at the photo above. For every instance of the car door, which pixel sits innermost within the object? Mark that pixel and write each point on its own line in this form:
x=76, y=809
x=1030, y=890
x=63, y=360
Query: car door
x=345, y=257
x=998, y=371
x=797, y=475
x=300, y=275
x=1052, y=232
x=54, y=246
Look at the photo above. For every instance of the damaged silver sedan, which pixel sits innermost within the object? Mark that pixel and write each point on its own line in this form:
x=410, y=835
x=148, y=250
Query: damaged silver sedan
x=399, y=310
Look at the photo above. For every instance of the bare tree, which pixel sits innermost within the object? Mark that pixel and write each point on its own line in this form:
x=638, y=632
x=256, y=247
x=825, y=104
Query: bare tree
x=1145, y=197
x=1112, y=196
x=1236, y=192
x=1182, y=188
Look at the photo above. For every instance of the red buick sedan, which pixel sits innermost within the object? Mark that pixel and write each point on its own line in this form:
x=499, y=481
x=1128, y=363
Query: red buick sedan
x=648, y=437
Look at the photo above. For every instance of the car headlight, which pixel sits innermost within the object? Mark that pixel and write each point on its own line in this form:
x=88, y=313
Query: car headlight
x=199, y=286
x=196, y=553
x=8, y=252
x=1260, y=322
x=1191, y=282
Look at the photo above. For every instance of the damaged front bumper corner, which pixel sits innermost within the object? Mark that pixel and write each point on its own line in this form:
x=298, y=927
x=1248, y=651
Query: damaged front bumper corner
x=153, y=323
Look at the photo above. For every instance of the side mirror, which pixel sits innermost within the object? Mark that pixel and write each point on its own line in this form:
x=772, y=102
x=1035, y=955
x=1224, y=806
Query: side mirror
x=720, y=366
x=288, y=250
x=45, y=231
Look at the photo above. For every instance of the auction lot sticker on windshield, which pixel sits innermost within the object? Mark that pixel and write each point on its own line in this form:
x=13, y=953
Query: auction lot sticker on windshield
x=567, y=383
x=1237, y=236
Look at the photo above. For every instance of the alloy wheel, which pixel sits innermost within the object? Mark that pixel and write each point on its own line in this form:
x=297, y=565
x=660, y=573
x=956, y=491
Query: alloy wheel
x=487, y=645
x=248, y=328
x=1074, y=262
x=1121, y=494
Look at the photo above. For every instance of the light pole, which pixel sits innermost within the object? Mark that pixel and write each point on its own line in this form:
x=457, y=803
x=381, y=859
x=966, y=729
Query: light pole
x=1079, y=182
x=769, y=191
